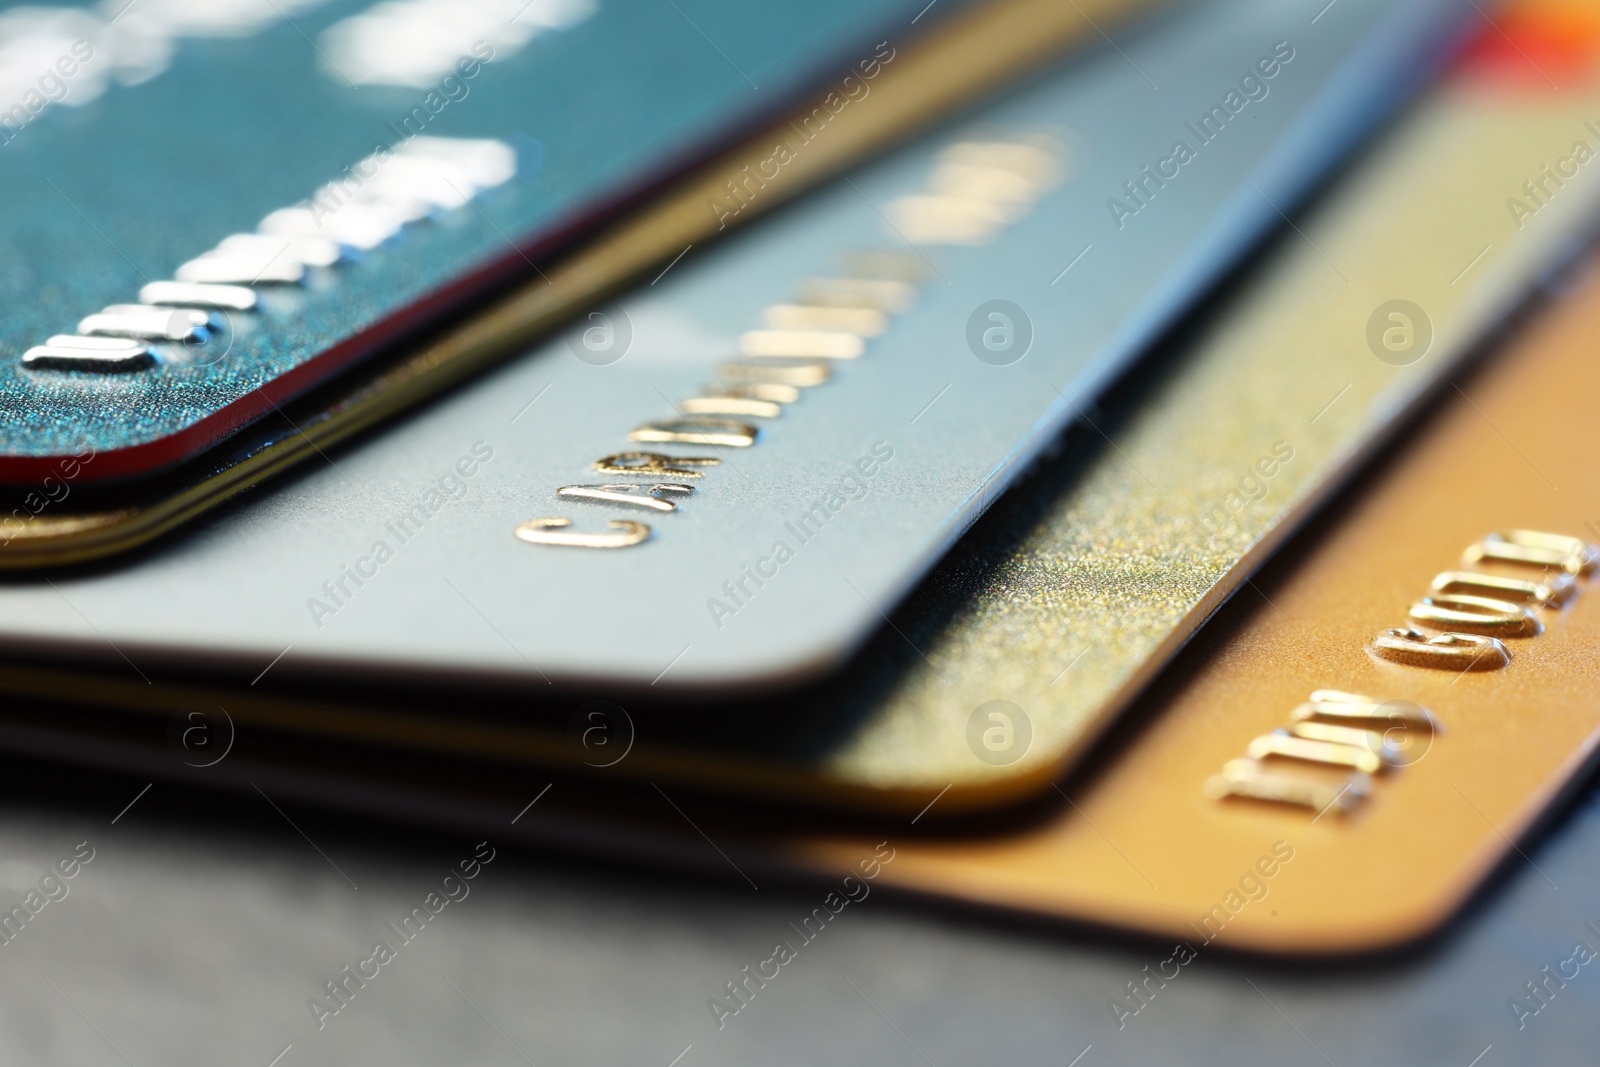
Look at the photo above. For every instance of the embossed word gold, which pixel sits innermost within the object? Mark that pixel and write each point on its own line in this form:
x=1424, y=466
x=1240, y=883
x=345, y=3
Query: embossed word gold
x=1478, y=609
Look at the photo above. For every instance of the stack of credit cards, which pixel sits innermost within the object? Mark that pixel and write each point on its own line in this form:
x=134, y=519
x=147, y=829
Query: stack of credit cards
x=1112, y=456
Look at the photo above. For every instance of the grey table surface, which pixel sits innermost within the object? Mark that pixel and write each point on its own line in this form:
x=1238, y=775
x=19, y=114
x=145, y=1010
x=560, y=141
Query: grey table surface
x=204, y=923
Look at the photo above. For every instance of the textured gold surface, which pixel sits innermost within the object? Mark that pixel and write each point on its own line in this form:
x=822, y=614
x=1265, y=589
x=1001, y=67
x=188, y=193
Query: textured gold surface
x=1122, y=568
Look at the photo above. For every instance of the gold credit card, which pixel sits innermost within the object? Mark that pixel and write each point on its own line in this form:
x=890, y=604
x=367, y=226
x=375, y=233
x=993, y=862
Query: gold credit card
x=1345, y=758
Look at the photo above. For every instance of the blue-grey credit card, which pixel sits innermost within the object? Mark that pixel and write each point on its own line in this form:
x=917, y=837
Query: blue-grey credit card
x=734, y=473
x=211, y=207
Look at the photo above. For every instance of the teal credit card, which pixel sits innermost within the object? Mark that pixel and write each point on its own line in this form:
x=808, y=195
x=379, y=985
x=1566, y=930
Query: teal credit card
x=211, y=207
